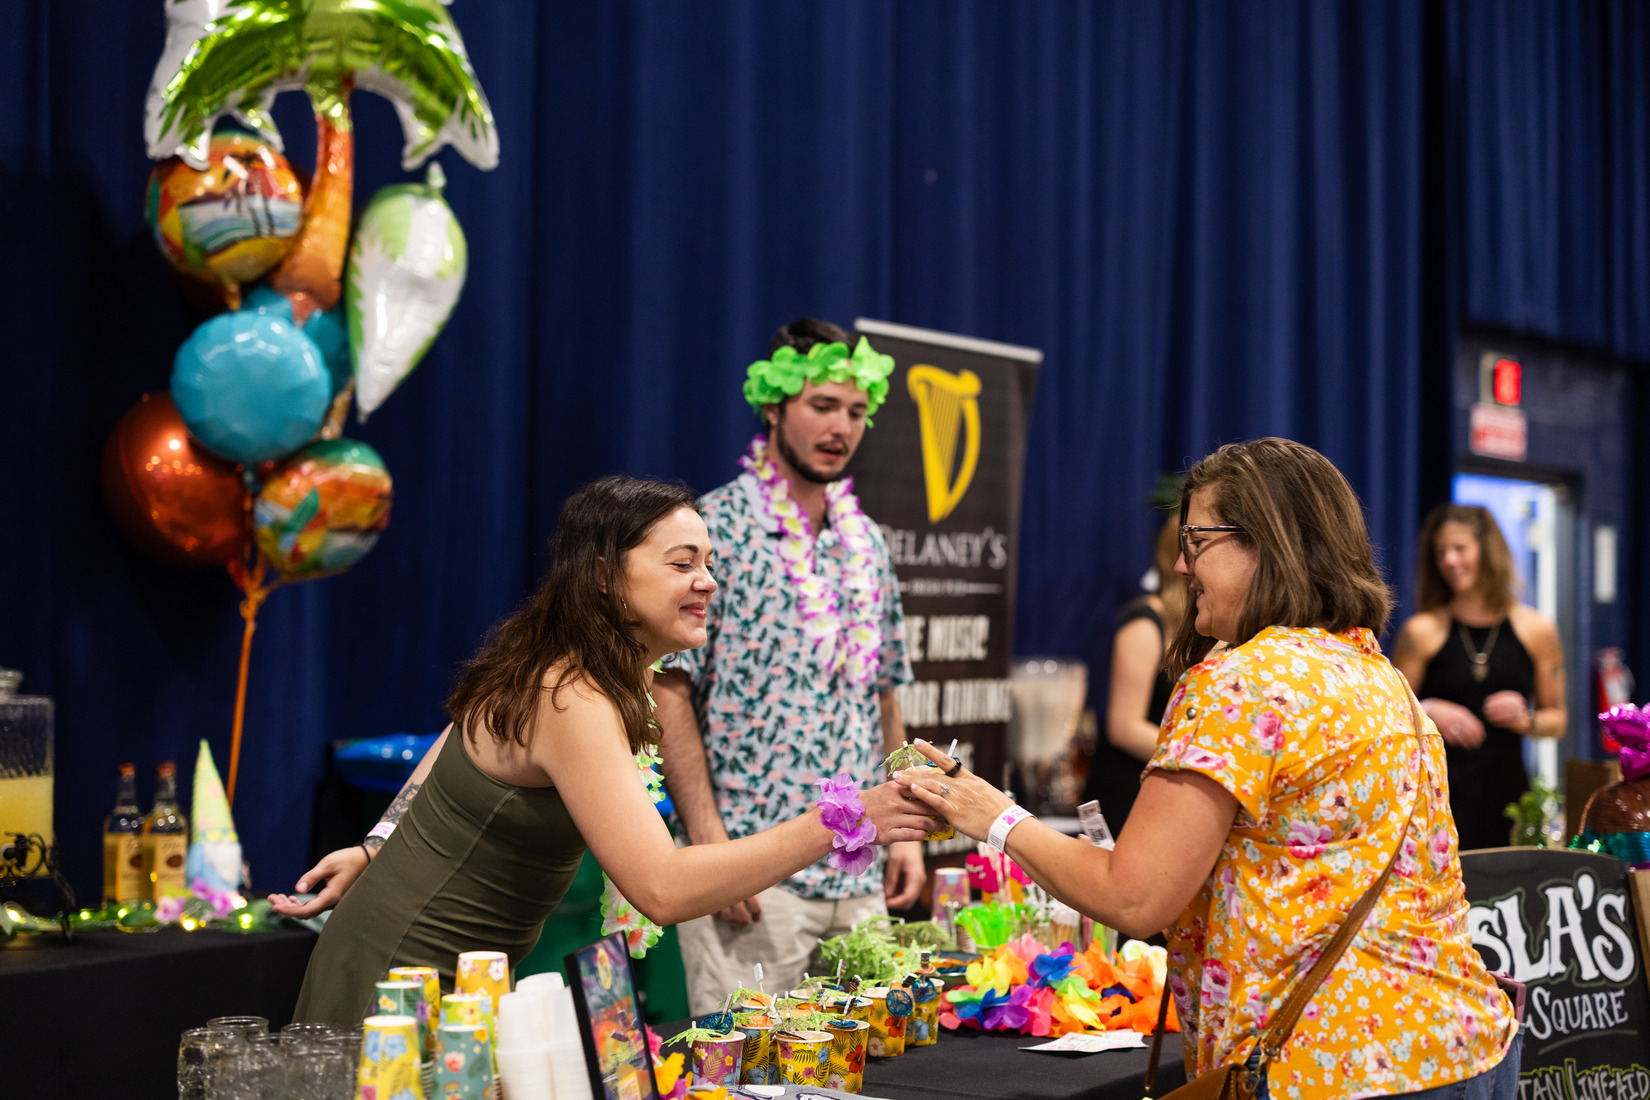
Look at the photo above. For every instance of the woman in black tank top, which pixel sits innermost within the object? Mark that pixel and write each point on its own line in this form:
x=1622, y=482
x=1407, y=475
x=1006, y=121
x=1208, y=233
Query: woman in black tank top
x=1139, y=689
x=1488, y=670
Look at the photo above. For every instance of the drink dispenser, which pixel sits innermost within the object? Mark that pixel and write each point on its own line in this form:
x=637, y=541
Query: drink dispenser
x=25, y=773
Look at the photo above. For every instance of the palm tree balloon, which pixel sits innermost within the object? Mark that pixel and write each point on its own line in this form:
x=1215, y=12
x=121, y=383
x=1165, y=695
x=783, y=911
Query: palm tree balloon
x=231, y=57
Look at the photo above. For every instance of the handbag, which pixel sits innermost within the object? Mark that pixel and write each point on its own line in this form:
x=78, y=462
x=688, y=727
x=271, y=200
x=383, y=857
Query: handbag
x=1240, y=1081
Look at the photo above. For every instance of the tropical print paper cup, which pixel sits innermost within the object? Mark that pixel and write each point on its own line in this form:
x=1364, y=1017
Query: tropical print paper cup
x=469, y=1008
x=406, y=998
x=754, y=1002
x=846, y=1067
x=716, y=1061
x=431, y=977
x=890, y=1011
x=757, y=1067
x=463, y=1062
x=390, y=1062
x=923, y=1029
x=804, y=1056
x=483, y=972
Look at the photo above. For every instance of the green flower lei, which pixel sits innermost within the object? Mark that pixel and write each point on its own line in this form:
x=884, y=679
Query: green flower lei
x=770, y=381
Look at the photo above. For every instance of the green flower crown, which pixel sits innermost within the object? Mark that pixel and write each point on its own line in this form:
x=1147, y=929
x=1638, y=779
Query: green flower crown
x=770, y=381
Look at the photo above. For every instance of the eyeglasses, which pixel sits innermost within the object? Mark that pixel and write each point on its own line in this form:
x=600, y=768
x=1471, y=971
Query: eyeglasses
x=1186, y=543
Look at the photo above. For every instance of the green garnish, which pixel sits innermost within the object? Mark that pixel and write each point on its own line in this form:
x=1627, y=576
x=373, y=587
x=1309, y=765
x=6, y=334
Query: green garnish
x=699, y=1035
x=906, y=756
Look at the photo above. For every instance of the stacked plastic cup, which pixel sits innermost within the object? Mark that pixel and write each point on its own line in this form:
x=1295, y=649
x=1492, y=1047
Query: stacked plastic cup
x=568, y=1068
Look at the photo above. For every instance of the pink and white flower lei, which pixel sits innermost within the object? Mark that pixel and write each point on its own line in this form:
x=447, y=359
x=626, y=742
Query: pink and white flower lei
x=853, y=642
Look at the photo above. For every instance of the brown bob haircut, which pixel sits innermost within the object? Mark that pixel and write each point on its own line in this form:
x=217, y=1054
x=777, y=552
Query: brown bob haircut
x=576, y=620
x=1497, y=582
x=1314, y=565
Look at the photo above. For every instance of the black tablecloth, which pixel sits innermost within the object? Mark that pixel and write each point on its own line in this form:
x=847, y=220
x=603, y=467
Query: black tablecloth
x=100, y=1019
x=965, y=1064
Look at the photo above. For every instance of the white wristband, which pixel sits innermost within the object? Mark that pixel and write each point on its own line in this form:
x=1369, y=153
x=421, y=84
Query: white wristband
x=998, y=836
x=382, y=830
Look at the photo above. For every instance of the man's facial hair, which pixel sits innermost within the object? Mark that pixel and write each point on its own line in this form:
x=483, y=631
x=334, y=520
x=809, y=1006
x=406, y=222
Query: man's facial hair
x=803, y=470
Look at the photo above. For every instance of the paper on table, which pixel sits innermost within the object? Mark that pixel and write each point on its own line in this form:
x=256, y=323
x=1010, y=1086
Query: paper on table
x=1092, y=1044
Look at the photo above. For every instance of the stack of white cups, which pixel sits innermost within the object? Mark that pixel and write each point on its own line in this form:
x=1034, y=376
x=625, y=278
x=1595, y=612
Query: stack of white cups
x=523, y=1051
x=563, y=1048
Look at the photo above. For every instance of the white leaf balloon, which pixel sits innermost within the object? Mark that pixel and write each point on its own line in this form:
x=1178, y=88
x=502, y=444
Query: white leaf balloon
x=406, y=269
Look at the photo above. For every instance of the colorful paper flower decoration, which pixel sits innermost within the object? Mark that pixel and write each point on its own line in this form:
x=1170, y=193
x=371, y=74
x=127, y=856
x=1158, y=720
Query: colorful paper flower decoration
x=1058, y=993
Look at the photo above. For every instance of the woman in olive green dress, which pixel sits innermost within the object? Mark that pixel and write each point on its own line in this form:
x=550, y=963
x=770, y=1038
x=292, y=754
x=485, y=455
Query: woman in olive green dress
x=539, y=764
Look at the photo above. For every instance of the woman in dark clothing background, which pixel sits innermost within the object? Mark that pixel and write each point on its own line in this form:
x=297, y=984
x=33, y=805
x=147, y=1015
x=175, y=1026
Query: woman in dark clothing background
x=1489, y=670
x=1139, y=688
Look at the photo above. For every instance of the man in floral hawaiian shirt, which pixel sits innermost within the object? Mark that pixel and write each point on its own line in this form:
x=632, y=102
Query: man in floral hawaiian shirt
x=795, y=684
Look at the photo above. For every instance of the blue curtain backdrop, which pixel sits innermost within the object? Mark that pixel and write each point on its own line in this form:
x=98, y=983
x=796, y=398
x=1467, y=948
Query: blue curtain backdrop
x=1211, y=216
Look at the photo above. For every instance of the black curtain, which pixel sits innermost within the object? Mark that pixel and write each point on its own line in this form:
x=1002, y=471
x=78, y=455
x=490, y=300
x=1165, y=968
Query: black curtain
x=1211, y=216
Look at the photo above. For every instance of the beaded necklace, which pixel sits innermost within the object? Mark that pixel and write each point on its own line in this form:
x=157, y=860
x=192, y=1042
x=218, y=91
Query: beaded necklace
x=850, y=643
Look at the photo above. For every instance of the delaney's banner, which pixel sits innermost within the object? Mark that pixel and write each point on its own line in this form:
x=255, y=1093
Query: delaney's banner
x=1563, y=923
x=941, y=475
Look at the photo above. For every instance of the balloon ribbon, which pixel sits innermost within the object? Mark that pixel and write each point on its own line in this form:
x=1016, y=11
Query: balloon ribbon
x=253, y=590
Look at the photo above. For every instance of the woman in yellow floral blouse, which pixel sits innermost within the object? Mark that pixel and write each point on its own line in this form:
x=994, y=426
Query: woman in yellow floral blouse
x=1284, y=777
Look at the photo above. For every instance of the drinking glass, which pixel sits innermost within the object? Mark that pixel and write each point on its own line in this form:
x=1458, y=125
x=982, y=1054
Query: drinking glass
x=305, y=1036
x=311, y=1072
x=198, y=1050
x=245, y=1025
x=260, y=1072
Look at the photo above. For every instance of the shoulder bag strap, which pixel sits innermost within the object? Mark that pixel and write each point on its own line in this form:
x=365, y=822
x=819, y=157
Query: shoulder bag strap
x=1277, y=1032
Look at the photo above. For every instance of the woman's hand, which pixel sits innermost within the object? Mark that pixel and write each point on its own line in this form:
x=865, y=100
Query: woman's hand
x=338, y=870
x=897, y=816
x=1509, y=710
x=965, y=800
x=1459, y=726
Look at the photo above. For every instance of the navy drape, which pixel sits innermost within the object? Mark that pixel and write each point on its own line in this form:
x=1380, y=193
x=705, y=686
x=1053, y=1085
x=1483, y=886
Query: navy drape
x=1209, y=215
x=1555, y=128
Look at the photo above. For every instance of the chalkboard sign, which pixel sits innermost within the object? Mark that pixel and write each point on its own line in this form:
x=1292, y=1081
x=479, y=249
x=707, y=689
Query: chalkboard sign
x=1563, y=924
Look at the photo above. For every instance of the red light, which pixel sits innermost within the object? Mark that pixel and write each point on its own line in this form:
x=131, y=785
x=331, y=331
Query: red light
x=1508, y=382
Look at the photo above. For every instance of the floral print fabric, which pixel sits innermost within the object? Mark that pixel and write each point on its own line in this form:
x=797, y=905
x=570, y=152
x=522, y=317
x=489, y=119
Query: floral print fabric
x=1313, y=734
x=773, y=717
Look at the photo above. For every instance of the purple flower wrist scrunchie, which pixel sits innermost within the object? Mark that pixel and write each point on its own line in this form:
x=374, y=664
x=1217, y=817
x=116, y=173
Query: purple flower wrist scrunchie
x=844, y=814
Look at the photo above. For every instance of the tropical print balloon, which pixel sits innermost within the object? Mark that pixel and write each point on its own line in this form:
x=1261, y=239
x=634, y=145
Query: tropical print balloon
x=233, y=56
x=322, y=509
x=406, y=269
x=231, y=221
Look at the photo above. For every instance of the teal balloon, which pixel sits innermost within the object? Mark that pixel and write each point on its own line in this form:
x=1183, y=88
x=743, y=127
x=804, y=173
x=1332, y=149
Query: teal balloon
x=250, y=386
x=326, y=329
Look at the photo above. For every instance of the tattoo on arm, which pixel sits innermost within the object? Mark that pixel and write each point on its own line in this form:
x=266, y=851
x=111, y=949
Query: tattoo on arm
x=393, y=815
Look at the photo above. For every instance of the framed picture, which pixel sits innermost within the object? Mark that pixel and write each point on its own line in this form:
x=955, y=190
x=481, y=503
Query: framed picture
x=610, y=1021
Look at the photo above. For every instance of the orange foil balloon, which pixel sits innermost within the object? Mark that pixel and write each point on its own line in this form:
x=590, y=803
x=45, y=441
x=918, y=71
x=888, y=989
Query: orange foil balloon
x=168, y=495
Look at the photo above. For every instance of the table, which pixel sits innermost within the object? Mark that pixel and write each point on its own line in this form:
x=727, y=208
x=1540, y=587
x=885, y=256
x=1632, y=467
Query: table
x=965, y=1065
x=101, y=1018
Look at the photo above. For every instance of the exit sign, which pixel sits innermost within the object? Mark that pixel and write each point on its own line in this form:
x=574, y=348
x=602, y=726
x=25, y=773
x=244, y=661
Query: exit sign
x=1498, y=432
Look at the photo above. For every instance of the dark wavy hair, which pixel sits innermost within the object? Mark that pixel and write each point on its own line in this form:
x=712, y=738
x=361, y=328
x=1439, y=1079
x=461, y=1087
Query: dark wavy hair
x=805, y=332
x=1497, y=579
x=1313, y=563
x=570, y=621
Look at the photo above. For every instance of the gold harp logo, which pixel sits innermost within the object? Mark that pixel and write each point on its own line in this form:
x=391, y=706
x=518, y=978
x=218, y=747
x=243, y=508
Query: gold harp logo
x=948, y=407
